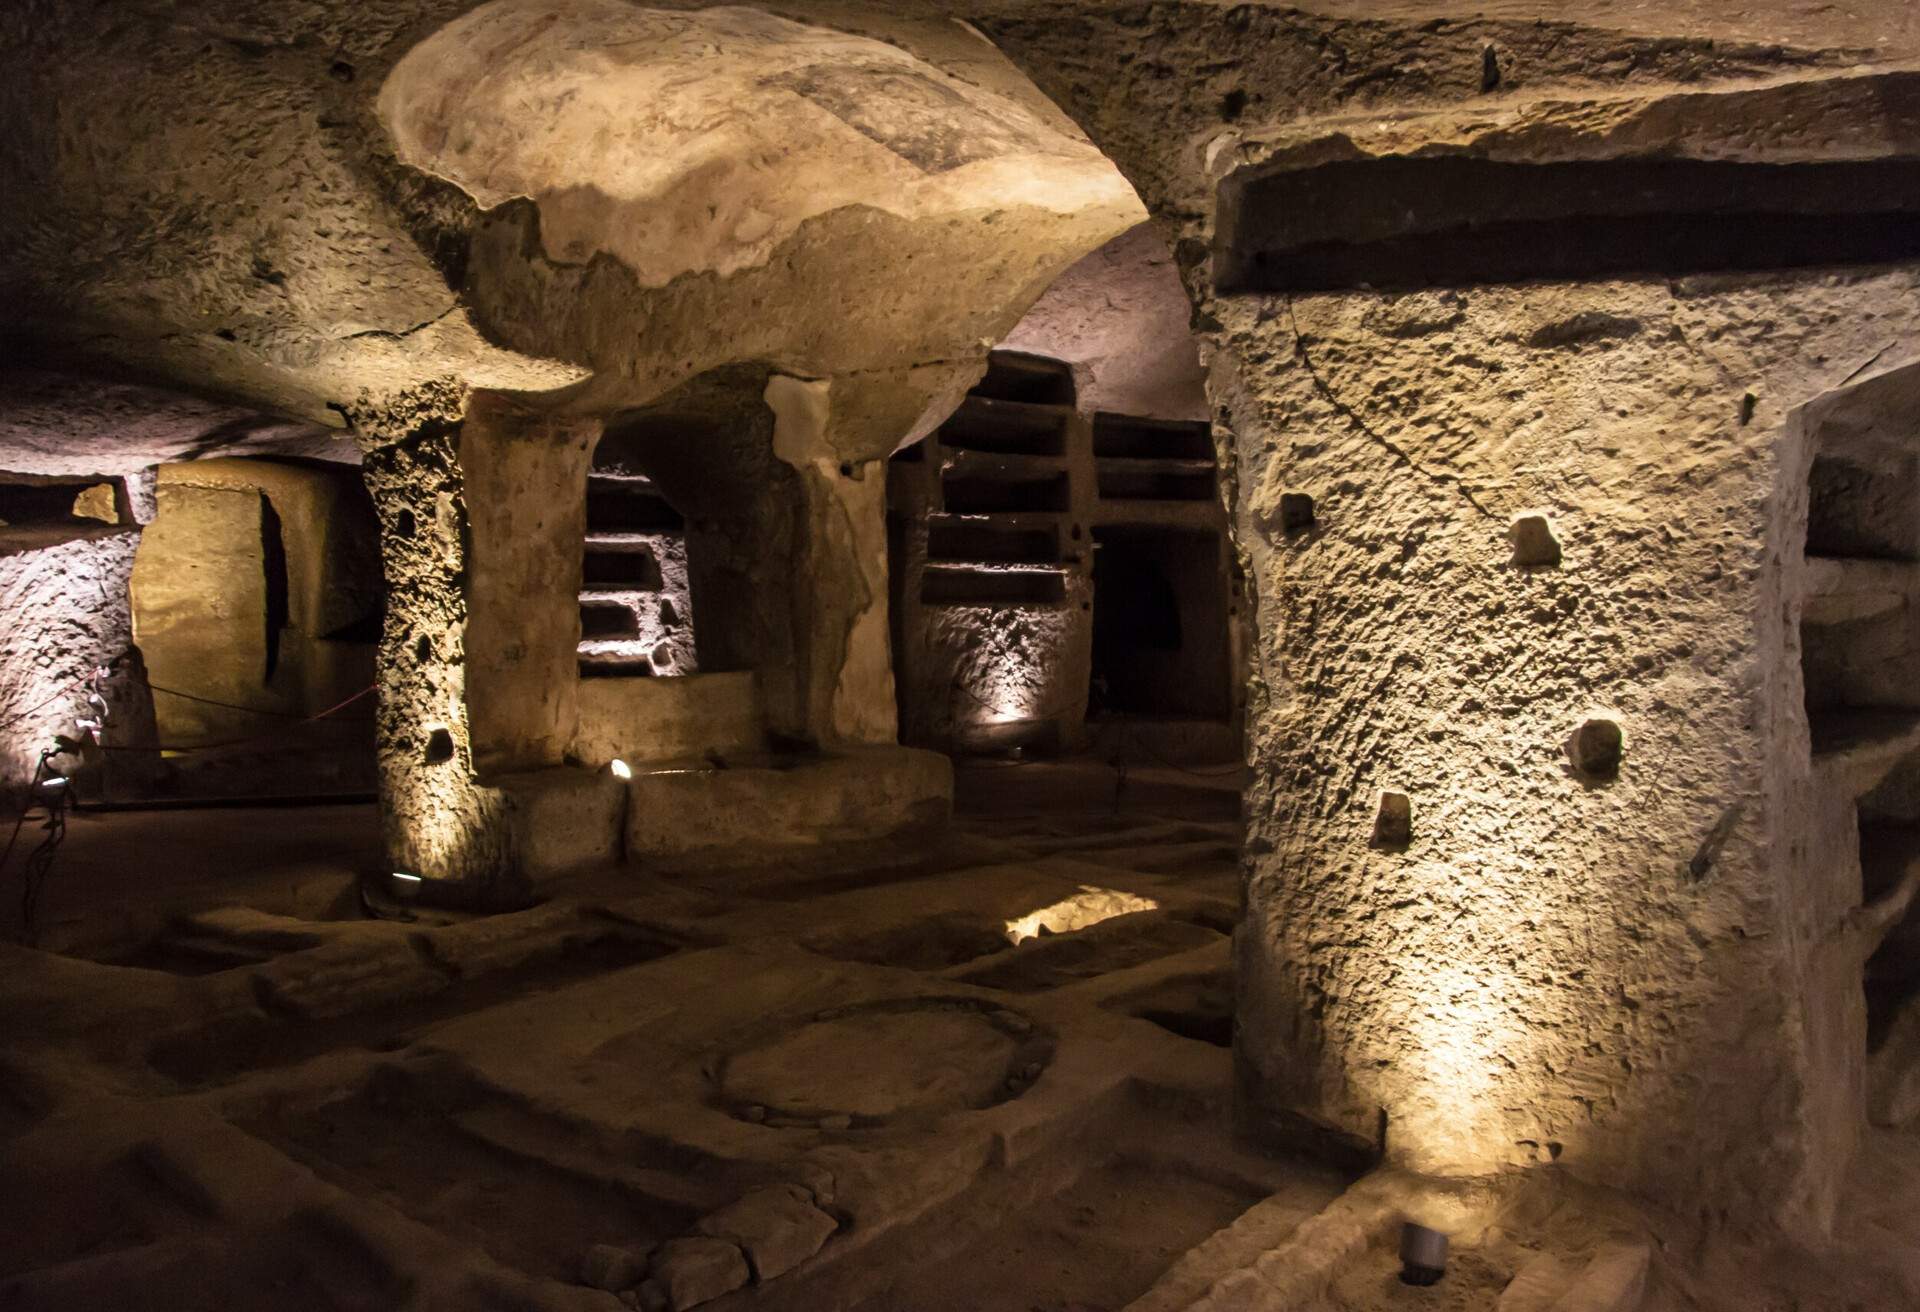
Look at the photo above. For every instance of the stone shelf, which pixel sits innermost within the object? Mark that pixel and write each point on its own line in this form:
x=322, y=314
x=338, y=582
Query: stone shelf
x=1841, y=589
x=974, y=461
x=983, y=425
x=1128, y=438
x=1855, y=749
x=962, y=539
x=993, y=585
x=1155, y=480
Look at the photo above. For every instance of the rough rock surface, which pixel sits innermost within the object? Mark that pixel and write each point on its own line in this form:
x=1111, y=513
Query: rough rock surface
x=611, y=1268
x=1120, y=318
x=778, y=1228
x=1548, y=962
x=66, y=615
x=696, y=1271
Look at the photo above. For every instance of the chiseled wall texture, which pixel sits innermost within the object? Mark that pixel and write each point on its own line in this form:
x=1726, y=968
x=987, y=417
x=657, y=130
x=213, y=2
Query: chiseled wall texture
x=437, y=820
x=65, y=614
x=1554, y=967
x=1633, y=977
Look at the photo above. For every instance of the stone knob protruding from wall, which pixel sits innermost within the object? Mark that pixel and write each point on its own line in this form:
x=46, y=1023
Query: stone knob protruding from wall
x=1296, y=512
x=1534, y=544
x=1393, y=823
x=1596, y=747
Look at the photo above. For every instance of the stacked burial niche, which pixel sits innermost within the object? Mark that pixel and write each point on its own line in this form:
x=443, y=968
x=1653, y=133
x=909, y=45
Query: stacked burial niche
x=1053, y=563
x=1450, y=219
x=636, y=608
x=1860, y=667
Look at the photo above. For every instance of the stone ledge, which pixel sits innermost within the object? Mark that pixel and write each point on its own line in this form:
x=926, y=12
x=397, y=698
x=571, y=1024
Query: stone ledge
x=852, y=793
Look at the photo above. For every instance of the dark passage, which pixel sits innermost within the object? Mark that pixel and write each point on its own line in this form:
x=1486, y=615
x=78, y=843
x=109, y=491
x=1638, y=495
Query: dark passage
x=1451, y=221
x=1159, y=623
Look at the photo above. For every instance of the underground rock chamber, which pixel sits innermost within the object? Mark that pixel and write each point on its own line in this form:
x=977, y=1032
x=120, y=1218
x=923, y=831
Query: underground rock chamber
x=928, y=731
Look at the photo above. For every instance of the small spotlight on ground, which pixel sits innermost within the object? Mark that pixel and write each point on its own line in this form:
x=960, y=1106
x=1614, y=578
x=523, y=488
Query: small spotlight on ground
x=1423, y=1254
x=621, y=770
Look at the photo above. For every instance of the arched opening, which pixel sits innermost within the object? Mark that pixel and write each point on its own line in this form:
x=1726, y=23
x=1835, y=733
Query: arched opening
x=256, y=603
x=1072, y=492
x=636, y=603
x=635, y=683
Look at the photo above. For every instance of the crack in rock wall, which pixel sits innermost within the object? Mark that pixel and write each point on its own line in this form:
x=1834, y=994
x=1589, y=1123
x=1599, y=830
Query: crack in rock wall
x=1626, y=974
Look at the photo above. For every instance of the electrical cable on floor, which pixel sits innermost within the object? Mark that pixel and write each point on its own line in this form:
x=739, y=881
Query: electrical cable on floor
x=39, y=771
x=40, y=860
x=53, y=795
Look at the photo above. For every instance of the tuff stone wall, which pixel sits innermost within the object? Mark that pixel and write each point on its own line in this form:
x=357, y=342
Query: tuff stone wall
x=66, y=616
x=438, y=820
x=1461, y=950
x=257, y=585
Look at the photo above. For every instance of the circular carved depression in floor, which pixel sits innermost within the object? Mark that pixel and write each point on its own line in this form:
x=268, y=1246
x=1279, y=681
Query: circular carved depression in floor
x=881, y=1061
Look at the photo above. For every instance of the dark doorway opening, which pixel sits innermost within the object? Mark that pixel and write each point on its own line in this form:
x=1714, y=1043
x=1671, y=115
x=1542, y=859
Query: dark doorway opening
x=1159, y=623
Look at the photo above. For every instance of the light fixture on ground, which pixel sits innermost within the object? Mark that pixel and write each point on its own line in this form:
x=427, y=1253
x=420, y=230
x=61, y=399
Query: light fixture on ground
x=1423, y=1254
x=620, y=769
x=405, y=885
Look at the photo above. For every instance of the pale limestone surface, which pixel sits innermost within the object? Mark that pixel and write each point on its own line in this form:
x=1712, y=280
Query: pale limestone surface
x=1120, y=317
x=1549, y=967
x=1653, y=980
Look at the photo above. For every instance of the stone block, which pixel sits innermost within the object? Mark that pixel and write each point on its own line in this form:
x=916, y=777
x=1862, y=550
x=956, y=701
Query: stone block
x=1613, y=1281
x=843, y=796
x=697, y=1270
x=611, y=1268
x=563, y=819
x=777, y=1227
x=1534, y=545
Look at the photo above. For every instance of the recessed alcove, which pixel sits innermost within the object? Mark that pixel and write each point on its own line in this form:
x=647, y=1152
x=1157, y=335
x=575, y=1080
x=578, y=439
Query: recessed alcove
x=984, y=424
x=636, y=607
x=946, y=585
x=1004, y=492
x=1032, y=379
x=953, y=538
x=1860, y=618
x=1133, y=438
x=1449, y=219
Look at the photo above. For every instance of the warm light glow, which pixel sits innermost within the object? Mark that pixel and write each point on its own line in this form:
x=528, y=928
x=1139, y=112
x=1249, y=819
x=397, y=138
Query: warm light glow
x=621, y=770
x=406, y=878
x=1089, y=906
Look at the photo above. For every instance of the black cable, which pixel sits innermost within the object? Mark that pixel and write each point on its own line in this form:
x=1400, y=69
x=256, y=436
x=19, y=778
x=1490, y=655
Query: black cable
x=40, y=862
x=257, y=737
x=39, y=769
x=254, y=710
x=40, y=705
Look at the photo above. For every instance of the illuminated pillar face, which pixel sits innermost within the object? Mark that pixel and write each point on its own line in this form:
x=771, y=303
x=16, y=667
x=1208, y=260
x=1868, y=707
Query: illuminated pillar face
x=1599, y=930
x=438, y=823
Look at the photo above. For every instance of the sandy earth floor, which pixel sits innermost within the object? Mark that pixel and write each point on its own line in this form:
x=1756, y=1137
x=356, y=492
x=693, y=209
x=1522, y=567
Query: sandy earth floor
x=756, y=1083
x=220, y=1053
